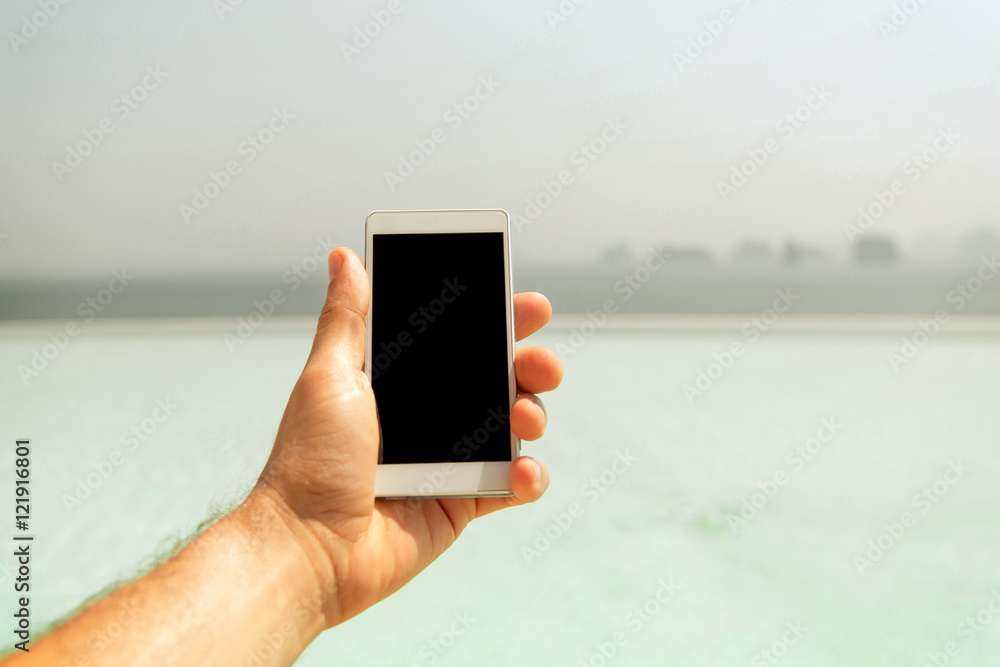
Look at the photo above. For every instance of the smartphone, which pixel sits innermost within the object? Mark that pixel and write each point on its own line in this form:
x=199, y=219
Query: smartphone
x=440, y=351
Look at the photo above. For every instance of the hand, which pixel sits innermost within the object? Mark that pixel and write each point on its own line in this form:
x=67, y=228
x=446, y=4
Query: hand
x=321, y=472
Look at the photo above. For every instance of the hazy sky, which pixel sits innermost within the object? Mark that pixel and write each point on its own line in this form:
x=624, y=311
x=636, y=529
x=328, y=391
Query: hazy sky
x=560, y=82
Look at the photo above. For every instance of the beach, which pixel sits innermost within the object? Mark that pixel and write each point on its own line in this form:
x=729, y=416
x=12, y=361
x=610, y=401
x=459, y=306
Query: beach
x=811, y=505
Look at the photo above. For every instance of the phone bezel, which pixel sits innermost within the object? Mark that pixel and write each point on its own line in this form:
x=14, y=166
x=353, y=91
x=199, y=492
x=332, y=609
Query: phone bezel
x=445, y=479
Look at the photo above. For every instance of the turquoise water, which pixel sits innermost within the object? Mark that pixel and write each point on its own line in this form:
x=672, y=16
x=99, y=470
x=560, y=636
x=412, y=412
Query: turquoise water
x=644, y=483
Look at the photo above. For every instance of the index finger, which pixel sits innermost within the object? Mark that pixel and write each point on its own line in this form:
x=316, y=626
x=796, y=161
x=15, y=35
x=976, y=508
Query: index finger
x=531, y=312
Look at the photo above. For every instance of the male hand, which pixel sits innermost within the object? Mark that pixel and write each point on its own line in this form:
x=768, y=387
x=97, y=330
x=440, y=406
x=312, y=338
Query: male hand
x=321, y=473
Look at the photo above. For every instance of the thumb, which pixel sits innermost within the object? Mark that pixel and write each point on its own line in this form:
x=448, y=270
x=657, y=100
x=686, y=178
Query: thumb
x=340, y=334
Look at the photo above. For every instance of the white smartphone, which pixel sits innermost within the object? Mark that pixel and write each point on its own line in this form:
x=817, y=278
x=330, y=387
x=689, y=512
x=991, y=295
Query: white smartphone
x=440, y=351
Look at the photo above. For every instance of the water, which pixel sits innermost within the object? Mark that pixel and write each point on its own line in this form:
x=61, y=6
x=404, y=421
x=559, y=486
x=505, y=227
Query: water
x=554, y=582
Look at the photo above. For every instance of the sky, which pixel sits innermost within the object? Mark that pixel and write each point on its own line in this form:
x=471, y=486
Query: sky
x=310, y=118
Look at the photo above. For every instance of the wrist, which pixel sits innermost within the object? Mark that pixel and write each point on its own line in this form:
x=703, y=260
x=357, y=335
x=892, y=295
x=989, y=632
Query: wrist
x=297, y=550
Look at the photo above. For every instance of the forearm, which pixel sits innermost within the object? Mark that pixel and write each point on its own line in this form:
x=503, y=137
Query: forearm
x=245, y=591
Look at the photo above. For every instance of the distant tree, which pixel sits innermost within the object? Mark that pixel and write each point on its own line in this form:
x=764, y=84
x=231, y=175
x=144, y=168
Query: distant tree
x=875, y=249
x=618, y=254
x=687, y=254
x=753, y=251
x=798, y=253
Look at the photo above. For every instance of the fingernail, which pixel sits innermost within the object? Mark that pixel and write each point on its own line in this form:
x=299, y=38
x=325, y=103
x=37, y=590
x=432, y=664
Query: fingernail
x=545, y=413
x=336, y=263
x=538, y=470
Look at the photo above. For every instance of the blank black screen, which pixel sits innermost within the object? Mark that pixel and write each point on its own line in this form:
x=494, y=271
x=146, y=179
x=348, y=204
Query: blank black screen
x=439, y=347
